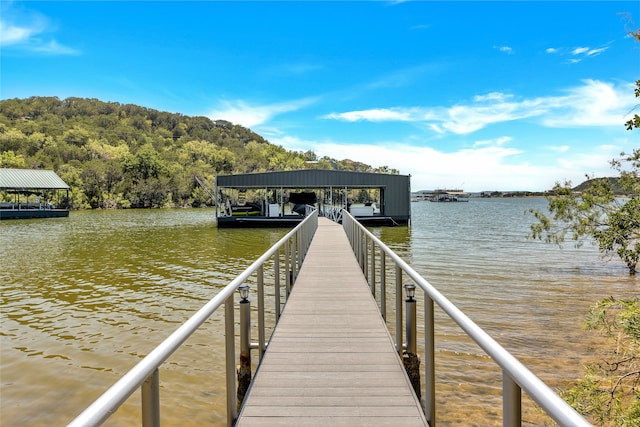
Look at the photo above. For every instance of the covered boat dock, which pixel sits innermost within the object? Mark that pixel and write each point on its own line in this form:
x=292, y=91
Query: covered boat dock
x=282, y=199
x=32, y=193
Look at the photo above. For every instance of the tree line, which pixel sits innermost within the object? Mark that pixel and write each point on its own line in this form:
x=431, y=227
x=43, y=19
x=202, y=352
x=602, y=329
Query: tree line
x=116, y=155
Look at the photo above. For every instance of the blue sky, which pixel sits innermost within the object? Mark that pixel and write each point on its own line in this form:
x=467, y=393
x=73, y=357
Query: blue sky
x=482, y=95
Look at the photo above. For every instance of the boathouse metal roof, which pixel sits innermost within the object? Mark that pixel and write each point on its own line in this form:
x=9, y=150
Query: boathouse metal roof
x=31, y=179
x=314, y=178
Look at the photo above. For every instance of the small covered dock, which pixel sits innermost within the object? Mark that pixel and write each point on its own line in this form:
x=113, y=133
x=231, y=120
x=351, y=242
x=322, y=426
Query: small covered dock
x=32, y=193
x=282, y=199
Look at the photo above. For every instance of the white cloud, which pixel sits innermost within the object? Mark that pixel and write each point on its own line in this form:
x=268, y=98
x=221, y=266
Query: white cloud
x=488, y=165
x=594, y=103
x=242, y=113
x=495, y=142
x=582, y=53
x=595, y=52
x=587, y=51
x=560, y=148
x=54, y=48
x=12, y=34
x=374, y=115
x=577, y=54
x=493, y=96
x=505, y=49
x=27, y=31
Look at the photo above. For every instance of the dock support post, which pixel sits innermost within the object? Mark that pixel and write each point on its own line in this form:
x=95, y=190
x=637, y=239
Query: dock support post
x=429, y=362
x=244, y=369
x=230, y=354
x=410, y=357
x=373, y=268
x=365, y=257
x=294, y=257
x=287, y=267
x=511, y=402
x=399, y=336
x=383, y=285
x=276, y=280
x=261, y=322
x=151, y=400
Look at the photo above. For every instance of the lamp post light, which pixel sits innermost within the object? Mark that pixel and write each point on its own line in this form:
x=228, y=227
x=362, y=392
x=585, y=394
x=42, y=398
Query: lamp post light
x=410, y=290
x=244, y=293
x=410, y=357
x=245, y=319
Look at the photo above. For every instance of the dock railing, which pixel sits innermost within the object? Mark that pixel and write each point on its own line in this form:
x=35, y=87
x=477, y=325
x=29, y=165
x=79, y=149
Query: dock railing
x=515, y=376
x=292, y=248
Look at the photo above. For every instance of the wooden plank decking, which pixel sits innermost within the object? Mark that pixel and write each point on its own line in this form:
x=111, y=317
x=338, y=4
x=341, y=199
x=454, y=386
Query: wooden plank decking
x=331, y=360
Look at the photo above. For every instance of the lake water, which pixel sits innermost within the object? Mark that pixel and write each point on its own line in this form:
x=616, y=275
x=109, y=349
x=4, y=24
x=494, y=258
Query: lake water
x=86, y=297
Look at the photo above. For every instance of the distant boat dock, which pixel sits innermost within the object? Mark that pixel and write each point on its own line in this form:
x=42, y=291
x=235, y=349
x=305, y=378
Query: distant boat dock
x=441, y=195
x=32, y=193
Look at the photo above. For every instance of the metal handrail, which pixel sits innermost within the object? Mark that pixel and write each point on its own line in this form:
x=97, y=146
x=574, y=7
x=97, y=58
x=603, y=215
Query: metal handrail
x=145, y=373
x=515, y=375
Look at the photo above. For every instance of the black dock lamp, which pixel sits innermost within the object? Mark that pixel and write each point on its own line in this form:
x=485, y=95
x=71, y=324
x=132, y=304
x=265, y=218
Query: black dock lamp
x=244, y=293
x=410, y=358
x=410, y=290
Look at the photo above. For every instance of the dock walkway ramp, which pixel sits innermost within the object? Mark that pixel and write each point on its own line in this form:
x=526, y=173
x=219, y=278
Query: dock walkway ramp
x=331, y=360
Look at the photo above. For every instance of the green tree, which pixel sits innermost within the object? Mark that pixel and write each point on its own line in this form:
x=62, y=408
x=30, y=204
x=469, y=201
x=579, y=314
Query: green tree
x=9, y=159
x=597, y=212
x=123, y=155
x=609, y=393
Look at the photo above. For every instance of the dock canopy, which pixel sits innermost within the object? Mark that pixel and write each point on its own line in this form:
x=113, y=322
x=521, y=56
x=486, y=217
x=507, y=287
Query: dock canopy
x=17, y=180
x=387, y=197
x=18, y=185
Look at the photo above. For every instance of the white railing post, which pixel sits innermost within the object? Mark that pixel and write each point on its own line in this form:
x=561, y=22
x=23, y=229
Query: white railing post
x=261, y=323
x=429, y=362
x=151, y=400
x=511, y=402
x=276, y=280
x=365, y=258
x=244, y=367
x=300, y=247
x=383, y=285
x=294, y=258
x=230, y=354
x=399, y=309
x=373, y=268
x=287, y=267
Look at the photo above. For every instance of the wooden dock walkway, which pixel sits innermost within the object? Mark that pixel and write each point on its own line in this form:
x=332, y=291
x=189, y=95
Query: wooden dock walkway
x=331, y=360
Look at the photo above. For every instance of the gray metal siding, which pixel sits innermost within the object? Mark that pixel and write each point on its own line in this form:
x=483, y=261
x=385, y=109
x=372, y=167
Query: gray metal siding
x=30, y=179
x=397, y=188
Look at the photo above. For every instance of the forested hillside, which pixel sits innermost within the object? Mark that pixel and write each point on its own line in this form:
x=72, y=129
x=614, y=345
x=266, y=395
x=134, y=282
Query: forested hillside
x=119, y=156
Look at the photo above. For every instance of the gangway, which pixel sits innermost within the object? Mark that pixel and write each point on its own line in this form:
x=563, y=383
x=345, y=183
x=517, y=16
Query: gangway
x=311, y=372
x=331, y=360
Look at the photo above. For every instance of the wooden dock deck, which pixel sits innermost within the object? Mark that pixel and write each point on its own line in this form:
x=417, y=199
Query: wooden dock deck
x=331, y=360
